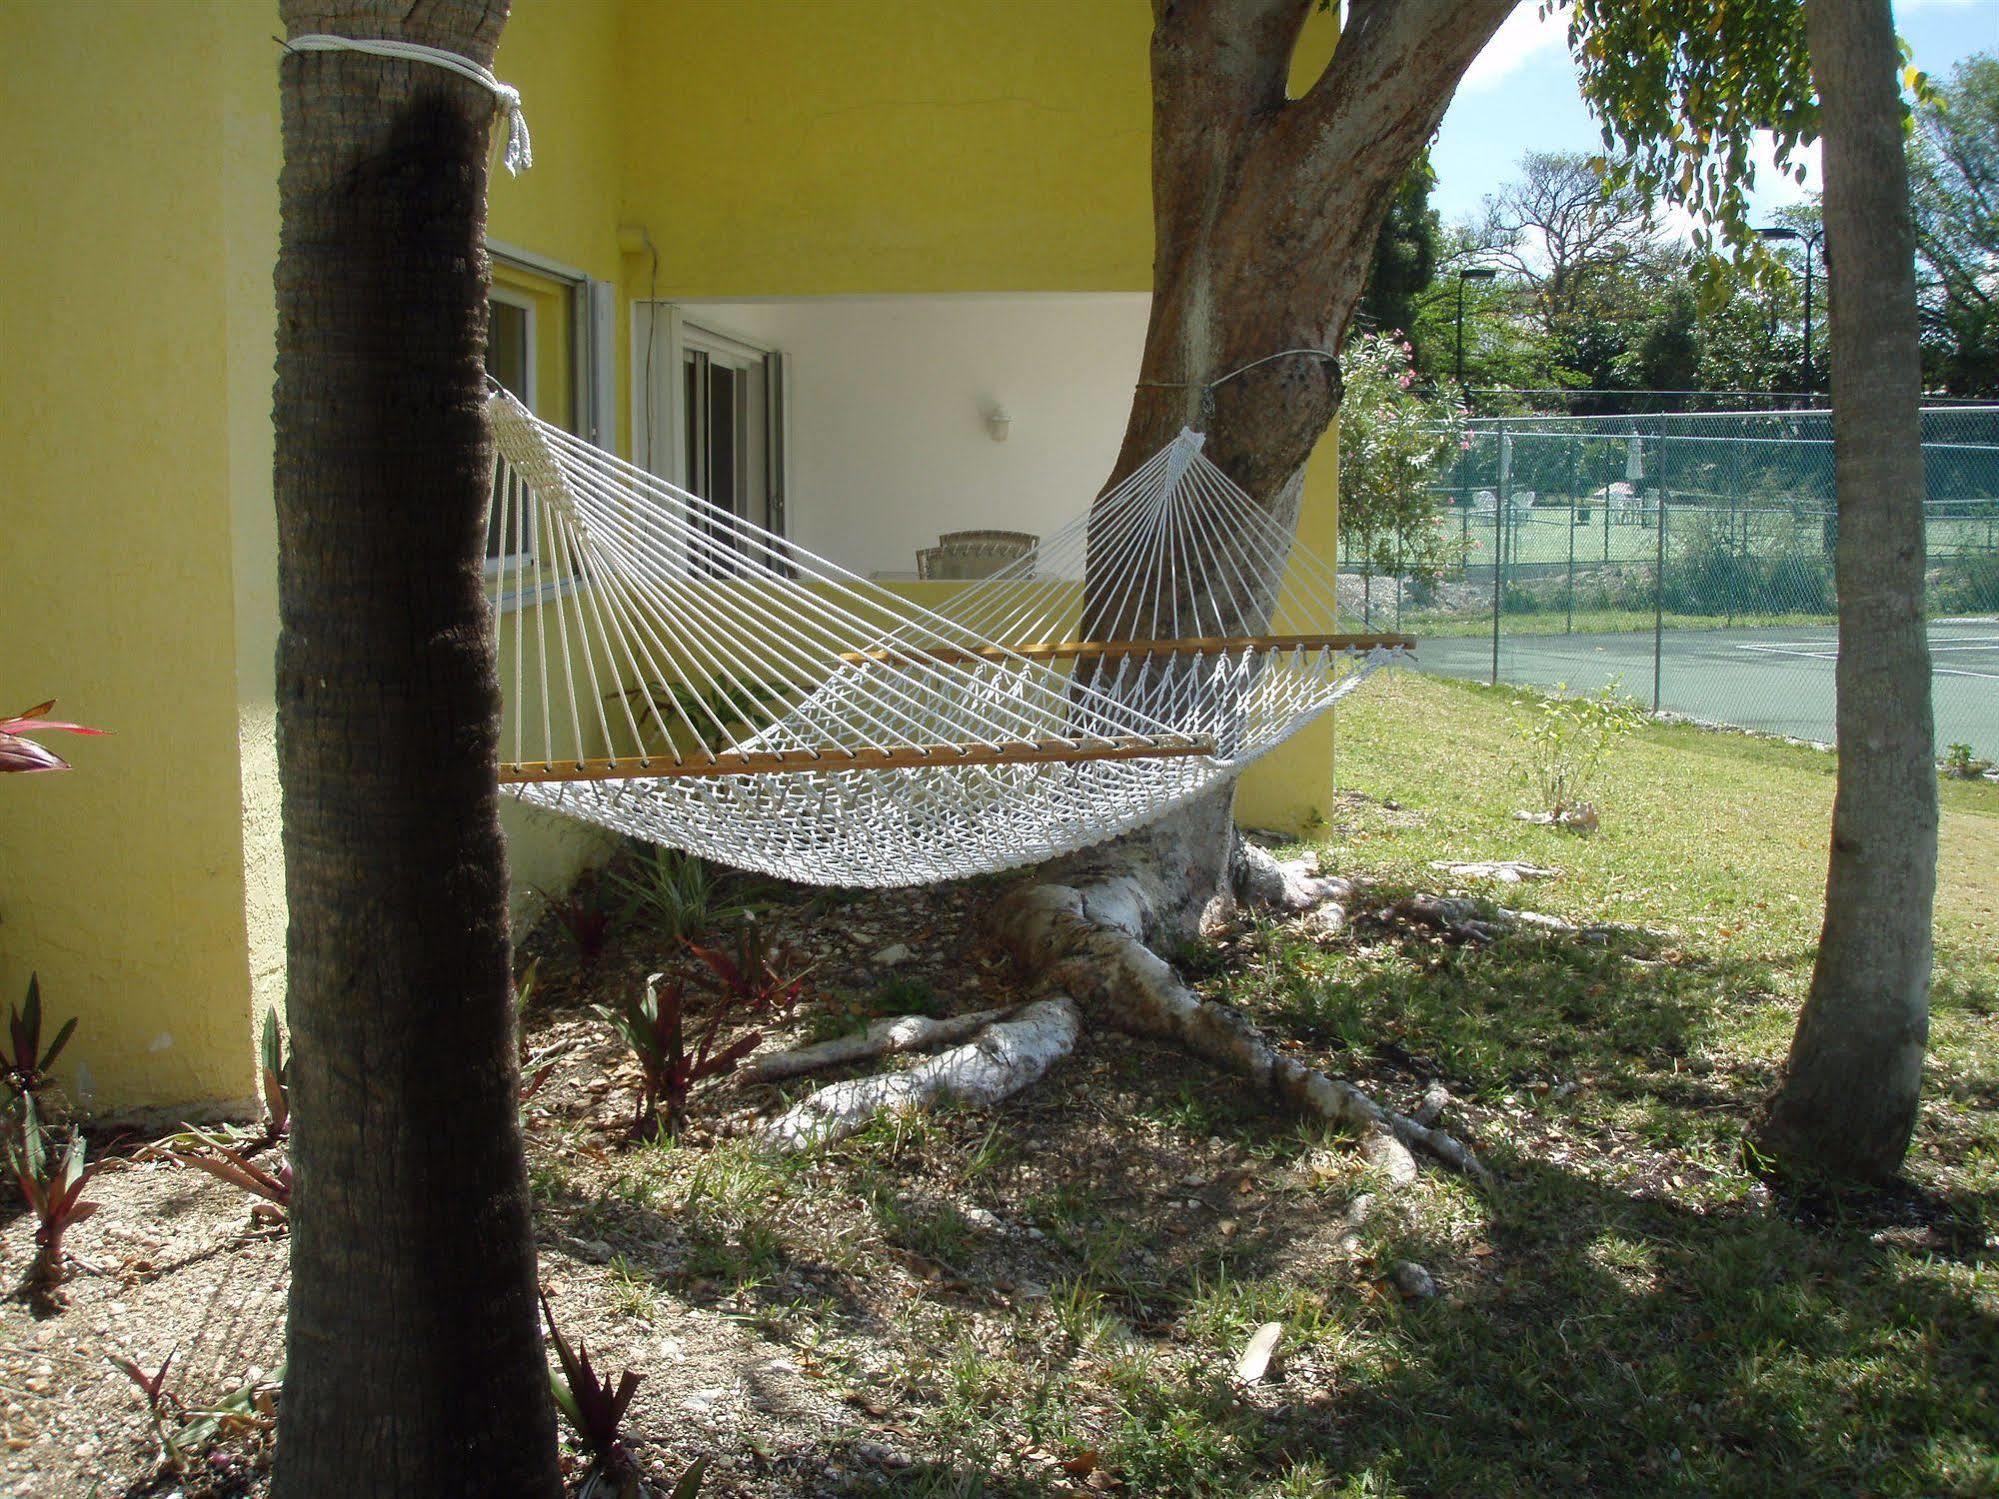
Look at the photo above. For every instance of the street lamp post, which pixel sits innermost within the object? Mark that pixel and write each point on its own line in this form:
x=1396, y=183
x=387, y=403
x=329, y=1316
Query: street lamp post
x=1473, y=273
x=1810, y=239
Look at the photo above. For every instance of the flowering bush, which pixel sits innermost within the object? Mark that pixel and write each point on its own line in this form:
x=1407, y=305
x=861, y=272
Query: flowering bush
x=1396, y=445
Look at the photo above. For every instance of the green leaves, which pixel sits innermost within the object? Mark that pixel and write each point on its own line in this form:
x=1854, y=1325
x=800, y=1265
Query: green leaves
x=52, y=1182
x=1567, y=739
x=25, y=1067
x=1681, y=86
x=1394, y=447
x=276, y=1078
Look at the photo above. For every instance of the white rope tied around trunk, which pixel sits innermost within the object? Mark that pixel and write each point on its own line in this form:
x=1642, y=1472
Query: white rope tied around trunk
x=519, y=153
x=678, y=674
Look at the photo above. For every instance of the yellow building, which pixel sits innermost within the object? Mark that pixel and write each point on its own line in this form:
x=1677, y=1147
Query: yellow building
x=879, y=224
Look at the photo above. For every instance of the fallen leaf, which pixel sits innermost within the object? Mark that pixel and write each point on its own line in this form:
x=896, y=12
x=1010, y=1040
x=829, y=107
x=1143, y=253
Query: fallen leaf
x=1255, y=1360
x=1082, y=1464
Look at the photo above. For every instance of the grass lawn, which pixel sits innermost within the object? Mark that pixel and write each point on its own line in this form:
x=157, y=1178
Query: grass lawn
x=1515, y=621
x=1053, y=1298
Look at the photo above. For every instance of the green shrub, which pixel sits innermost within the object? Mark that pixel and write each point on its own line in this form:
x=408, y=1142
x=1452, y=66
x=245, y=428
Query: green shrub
x=1965, y=584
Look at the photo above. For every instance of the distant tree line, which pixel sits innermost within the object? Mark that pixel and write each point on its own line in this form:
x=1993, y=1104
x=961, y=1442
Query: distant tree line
x=1593, y=293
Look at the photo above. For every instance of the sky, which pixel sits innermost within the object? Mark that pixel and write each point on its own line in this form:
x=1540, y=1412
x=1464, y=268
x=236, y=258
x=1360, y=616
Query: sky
x=1521, y=96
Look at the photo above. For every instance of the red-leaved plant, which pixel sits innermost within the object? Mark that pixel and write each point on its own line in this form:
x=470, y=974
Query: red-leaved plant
x=163, y=1408
x=652, y=1025
x=24, y=1066
x=20, y=754
x=757, y=976
x=52, y=1181
x=593, y=1409
x=585, y=913
x=216, y=1156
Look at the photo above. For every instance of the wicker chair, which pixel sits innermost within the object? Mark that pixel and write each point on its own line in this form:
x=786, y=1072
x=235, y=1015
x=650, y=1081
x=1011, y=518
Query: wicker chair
x=961, y=556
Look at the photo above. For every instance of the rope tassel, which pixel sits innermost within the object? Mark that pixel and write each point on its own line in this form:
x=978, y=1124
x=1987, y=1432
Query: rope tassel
x=517, y=155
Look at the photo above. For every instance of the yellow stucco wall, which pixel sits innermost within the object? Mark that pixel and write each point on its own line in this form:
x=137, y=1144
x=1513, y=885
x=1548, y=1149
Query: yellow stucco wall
x=826, y=147
x=123, y=882
x=795, y=147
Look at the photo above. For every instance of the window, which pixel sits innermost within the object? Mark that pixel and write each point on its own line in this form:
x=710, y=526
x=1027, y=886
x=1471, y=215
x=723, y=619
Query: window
x=714, y=418
x=550, y=337
x=510, y=360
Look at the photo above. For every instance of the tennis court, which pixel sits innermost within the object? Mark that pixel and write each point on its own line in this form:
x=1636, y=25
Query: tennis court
x=1777, y=680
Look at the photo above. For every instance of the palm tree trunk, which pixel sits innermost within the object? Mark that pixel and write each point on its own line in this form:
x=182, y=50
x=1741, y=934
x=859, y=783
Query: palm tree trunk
x=414, y=1361
x=1848, y=1101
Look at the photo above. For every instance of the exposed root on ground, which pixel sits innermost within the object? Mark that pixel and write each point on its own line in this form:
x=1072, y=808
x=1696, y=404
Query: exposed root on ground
x=1290, y=886
x=1088, y=941
x=1458, y=918
x=1004, y=1056
x=1087, y=938
x=882, y=1038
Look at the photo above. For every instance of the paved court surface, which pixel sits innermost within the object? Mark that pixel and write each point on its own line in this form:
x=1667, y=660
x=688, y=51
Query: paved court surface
x=1776, y=680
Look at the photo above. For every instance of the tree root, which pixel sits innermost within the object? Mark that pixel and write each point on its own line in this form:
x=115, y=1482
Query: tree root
x=1004, y=1056
x=1457, y=917
x=1088, y=942
x=882, y=1038
x=1289, y=886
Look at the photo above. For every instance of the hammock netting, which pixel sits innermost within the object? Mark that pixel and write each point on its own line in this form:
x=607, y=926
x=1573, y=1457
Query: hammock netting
x=676, y=673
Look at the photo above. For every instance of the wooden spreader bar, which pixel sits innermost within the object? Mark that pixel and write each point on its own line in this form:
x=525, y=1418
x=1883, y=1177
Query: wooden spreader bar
x=780, y=762
x=1058, y=650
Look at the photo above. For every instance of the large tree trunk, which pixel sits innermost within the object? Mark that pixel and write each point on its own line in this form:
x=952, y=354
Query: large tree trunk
x=1266, y=210
x=414, y=1362
x=1265, y=214
x=1849, y=1096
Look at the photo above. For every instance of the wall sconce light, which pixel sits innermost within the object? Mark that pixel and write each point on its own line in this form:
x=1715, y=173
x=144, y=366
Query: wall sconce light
x=999, y=422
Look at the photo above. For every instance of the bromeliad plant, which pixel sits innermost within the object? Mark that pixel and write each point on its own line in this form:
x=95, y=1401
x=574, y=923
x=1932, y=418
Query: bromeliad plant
x=594, y=1410
x=220, y=1159
x=276, y=1080
x=164, y=1408
x=757, y=976
x=52, y=1180
x=653, y=1026
x=25, y=1065
x=586, y=915
x=21, y=754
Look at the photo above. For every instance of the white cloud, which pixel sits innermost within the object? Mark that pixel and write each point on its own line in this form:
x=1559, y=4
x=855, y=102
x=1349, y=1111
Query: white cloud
x=1525, y=35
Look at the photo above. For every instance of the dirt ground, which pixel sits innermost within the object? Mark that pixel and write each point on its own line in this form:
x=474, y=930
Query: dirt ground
x=653, y=1255
x=713, y=1271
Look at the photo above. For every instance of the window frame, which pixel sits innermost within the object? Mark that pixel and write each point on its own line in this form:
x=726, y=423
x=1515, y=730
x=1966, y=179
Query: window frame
x=507, y=296
x=669, y=332
x=592, y=309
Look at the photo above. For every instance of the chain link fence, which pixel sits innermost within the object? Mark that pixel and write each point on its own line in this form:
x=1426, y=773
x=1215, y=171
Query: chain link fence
x=1689, y=558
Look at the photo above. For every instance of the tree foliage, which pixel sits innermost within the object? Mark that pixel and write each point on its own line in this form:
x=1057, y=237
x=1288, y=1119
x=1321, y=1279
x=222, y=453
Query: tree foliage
x=1405, y=255
x=1681, y=86
x=1592, y=297
x=1954, y=191
x=1394, y=444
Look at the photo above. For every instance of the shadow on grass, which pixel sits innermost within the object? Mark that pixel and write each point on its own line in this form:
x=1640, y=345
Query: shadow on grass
x=1638, y=1313
x=1613, y=1342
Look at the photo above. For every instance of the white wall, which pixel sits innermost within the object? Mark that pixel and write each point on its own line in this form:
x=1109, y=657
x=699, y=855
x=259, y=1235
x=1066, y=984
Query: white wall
x=889, y=397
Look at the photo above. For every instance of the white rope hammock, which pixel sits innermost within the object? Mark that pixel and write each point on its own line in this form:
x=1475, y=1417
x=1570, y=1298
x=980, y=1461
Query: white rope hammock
x=680, y=675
